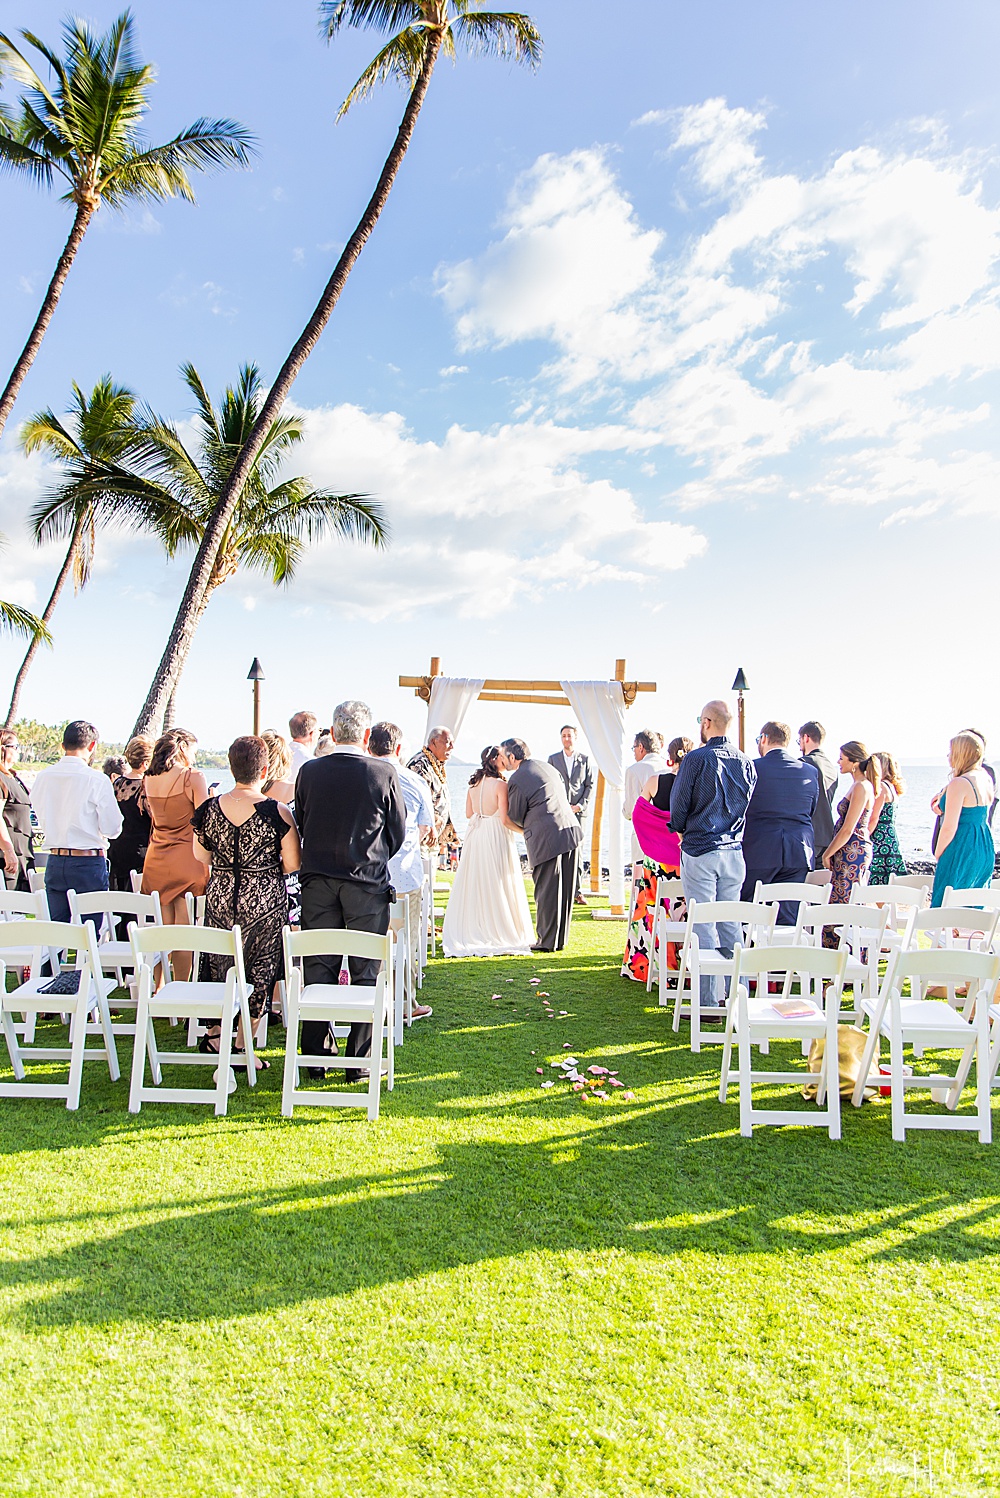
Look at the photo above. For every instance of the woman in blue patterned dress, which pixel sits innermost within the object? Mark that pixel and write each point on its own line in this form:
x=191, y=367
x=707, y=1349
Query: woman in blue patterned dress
x=886, y=856
x=849, y=855
x=965, y=855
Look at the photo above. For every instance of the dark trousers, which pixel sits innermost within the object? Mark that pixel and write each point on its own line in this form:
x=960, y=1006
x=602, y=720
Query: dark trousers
x=62, y=873
x=555, y=885
x=788, y=910
x=343, y=905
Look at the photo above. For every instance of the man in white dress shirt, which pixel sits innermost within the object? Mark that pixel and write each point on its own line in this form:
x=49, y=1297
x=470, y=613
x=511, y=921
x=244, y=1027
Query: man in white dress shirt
x=649, y=761
x=406, y=868
x=78, y=813
x=303, y=730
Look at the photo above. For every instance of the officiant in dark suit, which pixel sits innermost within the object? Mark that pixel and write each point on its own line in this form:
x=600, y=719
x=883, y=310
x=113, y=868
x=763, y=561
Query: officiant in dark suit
x=778, y=835
x=537, y=803
x=576, y=771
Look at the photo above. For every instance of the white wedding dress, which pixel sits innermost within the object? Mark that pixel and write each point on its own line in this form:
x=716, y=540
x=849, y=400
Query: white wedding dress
x=487, y=914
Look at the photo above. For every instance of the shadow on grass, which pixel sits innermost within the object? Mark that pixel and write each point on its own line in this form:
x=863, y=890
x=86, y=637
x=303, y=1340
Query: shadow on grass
x=613, y=1188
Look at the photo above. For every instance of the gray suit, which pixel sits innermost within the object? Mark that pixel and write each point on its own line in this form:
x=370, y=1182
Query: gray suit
x=580, y=781
x=823, y=815
x=537, y=802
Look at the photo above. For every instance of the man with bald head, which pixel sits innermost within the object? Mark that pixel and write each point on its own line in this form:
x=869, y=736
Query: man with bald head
x=708, y=807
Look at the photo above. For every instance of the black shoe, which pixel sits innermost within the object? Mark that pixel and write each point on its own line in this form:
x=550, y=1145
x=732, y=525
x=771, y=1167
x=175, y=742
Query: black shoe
x=316, y=1073
x=537, y=948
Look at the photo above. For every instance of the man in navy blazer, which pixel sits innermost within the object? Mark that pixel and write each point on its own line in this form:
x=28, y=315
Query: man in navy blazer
x=778, y=839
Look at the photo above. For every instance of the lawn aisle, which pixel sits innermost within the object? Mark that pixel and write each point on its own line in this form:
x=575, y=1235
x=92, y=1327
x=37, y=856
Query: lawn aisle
x=499, y=1288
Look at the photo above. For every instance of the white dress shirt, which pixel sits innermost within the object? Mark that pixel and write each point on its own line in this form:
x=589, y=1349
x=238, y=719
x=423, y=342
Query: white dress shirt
x=301, y=755
x=75, y=805
x=406, y=868
x=636, y=776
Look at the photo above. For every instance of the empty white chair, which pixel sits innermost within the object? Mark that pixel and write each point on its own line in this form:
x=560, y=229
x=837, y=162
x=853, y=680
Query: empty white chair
x=983, y=899
x=954, y=927
x=923, y=882
x=219, y=1004
x=342, y=1005
x=195, y=909
x=819, y=876
x=933, y=1024
x=20, y=907
x=90, y=999
x=136, y=877
x=902, y=901
x=399, y=930
x=757, y=1021
x=116, y=956
x=756, y=925
x=861, y=931
x=809, y=891
x=665, y=929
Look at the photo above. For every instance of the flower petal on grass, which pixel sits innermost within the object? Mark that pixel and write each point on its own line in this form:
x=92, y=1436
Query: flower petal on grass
x=598, y=1071
x=540, y=1071
x=614, y=1082
x=628, y=1097
x=563, y=1013
x=533, y=981
x=548, y=1084
x=577, y=1086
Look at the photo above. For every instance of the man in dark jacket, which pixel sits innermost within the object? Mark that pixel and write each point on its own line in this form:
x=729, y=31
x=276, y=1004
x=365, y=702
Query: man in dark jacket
x=352, y=820
x=778, y=836
x=578, y=777
x=811, y=736
x=537, y=803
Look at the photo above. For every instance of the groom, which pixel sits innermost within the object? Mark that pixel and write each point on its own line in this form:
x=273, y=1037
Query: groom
x=537, y=803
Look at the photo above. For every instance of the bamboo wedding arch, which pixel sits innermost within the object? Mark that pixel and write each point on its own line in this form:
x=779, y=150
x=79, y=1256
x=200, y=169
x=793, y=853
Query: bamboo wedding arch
x=546, y=694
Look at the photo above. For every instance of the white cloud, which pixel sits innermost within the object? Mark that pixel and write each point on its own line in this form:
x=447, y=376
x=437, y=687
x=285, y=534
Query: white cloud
x=759, y=374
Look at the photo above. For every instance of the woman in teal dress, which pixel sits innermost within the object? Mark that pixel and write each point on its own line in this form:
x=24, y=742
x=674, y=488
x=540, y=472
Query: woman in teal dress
x=965, y=854
x=886, y=856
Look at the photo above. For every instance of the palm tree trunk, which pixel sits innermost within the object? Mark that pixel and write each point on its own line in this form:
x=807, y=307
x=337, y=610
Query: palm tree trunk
x=170, y=711
x=154, y=724
x=179, y=642
x=34, y=343
x=64, y=571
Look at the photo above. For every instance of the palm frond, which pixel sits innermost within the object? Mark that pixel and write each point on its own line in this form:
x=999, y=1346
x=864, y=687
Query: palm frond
x=401, y=59
x=159, y=172
x=15, y=156
x=18, y=621
x=45, y=430
x=498, y=34
x=380, y=15
x=272, y=552
x=298, y=510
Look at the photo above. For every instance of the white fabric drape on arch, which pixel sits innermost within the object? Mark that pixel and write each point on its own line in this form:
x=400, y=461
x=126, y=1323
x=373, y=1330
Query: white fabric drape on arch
x=451, y=698
x=600, y=707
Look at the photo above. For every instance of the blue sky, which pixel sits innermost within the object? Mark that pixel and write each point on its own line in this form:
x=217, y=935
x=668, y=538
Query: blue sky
x=684, y=348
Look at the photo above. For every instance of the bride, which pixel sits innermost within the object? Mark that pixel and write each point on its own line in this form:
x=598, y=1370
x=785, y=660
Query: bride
x=487, y=914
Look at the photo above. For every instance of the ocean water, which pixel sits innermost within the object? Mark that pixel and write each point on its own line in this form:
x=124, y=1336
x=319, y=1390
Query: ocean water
x=914, y=819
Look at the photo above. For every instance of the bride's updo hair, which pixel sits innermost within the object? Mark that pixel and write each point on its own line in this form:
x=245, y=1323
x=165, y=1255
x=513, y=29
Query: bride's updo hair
x=489, y=769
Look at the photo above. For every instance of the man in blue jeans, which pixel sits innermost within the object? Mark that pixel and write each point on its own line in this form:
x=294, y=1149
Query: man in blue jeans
x=708, y=807
x=77, y=811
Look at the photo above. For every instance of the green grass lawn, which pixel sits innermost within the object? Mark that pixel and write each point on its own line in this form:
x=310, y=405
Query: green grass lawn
x=498, y=1288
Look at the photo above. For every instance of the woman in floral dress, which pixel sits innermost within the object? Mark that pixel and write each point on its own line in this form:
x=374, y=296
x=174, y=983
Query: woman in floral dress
x=849, y=855
x=886, y=856
x=646, y=876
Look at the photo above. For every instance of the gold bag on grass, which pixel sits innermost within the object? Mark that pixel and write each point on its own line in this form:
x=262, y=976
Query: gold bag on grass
x=850, y=1052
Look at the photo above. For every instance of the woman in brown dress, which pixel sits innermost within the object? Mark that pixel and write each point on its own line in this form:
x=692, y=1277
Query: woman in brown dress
x=174, y=790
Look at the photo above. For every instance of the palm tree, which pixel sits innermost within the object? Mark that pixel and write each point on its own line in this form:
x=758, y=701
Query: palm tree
x=93, y=450
x=420, y=31
x=17, y=621
x=276, y=518
x=83, y=126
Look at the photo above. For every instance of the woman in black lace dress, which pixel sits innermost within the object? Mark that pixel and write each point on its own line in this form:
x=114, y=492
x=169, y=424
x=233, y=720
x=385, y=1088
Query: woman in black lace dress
x=249, y=843
x=127, y=851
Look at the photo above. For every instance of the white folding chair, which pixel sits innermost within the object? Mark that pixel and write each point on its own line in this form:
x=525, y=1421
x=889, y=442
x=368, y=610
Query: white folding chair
x=399, y=930
x=136, y=877
x=861, y=931
x=993, y=1064
x=809, y=891
x=18, y=906
x=342, y=1005
x=923, y=882
x=902, y=899
x=431, y=911
x=695, y=964
x=757, y=1021
x=665, y=929
x=934, y=1024
x=219, y=1004
x=91, y=998
x=116, y=956
x=976, y=899
x=195, y=909
x=955, y=927
x=819, y=876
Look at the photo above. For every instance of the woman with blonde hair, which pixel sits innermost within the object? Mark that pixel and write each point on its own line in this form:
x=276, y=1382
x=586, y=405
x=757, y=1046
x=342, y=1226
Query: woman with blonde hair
x=279, y=783
x=849, y=854
x=965, y=853
x=174, y=790
x=886, y=856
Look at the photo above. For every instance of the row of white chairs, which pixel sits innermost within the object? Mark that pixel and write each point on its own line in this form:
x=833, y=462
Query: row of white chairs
x=889, y=926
